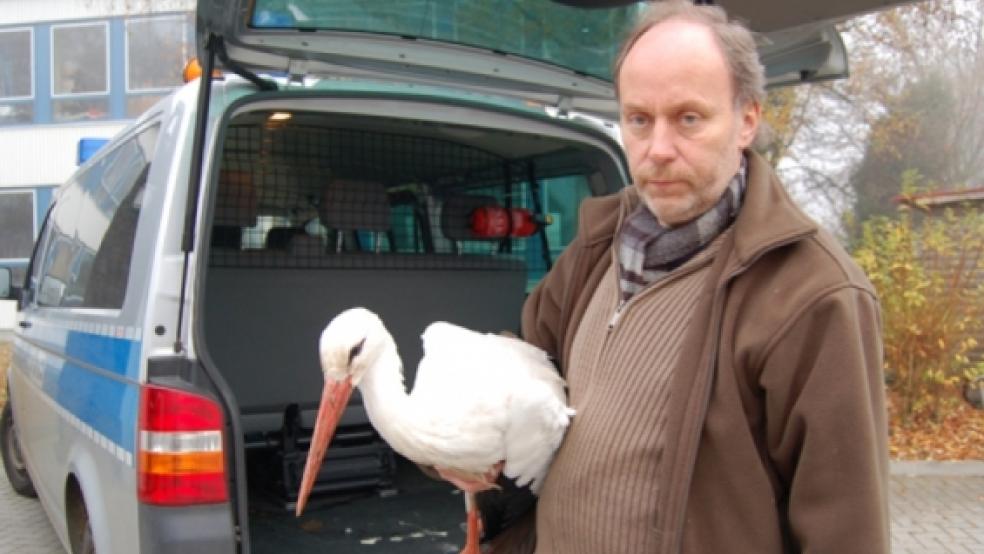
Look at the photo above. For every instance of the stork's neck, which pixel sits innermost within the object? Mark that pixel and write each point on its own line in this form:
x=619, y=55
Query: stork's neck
x=387, y=402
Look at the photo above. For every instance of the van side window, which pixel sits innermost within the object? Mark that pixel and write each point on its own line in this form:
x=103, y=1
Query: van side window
x=92, y=229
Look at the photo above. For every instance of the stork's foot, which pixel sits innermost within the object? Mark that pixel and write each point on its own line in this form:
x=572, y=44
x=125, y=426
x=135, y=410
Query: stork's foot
x=472, y=533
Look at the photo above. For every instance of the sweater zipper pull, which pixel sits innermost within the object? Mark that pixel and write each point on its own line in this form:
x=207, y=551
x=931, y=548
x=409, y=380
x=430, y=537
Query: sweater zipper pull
x=616, y=315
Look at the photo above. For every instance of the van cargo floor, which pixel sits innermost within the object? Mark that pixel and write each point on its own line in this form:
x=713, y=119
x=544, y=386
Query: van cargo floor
x=421, y=516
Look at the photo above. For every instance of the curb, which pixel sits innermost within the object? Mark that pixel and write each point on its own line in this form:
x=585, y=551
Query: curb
x=968, y=468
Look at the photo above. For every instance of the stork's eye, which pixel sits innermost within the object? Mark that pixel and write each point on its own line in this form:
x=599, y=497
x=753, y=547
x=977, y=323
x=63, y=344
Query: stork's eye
x=356, y=350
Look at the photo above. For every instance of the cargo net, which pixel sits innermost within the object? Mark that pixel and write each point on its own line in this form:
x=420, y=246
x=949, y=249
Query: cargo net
x=314, y=197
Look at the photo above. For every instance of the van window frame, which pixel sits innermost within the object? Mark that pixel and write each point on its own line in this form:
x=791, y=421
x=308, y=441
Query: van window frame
x=31, y=280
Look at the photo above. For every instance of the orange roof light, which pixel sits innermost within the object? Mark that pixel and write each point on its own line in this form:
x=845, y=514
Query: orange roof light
x=193, y=70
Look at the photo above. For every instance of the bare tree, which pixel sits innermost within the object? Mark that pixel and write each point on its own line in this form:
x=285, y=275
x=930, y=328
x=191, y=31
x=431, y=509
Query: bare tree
x=935, y=44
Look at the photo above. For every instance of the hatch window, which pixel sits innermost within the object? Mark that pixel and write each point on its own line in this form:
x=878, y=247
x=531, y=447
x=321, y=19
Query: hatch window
x=582, y=40
x=334, y=191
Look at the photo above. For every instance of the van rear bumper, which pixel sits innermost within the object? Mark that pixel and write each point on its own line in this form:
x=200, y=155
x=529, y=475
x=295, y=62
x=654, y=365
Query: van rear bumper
x=205, y=529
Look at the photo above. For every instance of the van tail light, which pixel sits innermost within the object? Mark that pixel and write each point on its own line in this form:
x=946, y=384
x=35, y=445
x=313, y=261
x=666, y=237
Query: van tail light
x=180, y=455
x=498, y=222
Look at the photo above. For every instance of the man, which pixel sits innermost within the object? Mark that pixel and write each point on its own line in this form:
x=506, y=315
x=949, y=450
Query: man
x=722, y=351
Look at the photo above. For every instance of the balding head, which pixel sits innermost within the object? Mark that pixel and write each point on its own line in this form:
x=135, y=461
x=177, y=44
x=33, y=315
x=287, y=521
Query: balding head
x=736, y=43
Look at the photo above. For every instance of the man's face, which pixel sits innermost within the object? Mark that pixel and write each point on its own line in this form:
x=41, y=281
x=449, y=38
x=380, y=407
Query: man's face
x=682, y=132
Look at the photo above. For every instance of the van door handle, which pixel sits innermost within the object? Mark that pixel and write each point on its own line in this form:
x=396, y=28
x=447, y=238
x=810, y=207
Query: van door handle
x=24, y=324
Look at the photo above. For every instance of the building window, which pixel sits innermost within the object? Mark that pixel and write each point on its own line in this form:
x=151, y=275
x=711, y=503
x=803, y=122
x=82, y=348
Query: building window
x=157, y=49
x=16, y=76
x=156, y=52
x=80, y=71
x=17, y=238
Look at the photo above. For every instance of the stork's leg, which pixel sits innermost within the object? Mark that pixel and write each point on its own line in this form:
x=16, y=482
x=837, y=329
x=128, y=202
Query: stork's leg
x=472, y=530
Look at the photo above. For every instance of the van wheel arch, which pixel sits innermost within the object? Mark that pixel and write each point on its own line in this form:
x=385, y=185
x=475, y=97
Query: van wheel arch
x=80, y=536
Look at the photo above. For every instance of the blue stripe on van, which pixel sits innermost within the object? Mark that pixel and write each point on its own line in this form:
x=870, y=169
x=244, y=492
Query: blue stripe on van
x=103, y=402
x=107, y=405
x=117, y=355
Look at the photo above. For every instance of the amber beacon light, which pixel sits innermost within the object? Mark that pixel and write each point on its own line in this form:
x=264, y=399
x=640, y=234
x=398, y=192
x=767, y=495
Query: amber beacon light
x=193, y=70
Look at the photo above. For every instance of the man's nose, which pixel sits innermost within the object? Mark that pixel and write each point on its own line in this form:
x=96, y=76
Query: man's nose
x=662, y=143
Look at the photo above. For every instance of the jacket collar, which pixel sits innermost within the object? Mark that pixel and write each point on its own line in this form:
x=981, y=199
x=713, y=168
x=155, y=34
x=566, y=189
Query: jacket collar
x=768, y=217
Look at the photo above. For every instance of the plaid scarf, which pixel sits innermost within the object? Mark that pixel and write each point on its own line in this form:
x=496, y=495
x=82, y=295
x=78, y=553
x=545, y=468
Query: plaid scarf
x=648, y=251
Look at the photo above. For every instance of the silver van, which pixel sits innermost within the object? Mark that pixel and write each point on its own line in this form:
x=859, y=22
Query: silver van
x=424, y=159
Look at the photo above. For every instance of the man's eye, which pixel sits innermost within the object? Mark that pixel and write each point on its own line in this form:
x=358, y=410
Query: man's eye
x=689, y=119
x=356, y=350
x=637, y=120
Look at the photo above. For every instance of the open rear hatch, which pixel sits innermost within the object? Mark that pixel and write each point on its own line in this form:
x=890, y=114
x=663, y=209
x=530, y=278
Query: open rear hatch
x=391, y=205
x=539, y=50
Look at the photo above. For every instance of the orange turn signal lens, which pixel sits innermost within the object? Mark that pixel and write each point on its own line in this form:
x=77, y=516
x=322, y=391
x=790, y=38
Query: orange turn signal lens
x=159, y=463
x=193, y=70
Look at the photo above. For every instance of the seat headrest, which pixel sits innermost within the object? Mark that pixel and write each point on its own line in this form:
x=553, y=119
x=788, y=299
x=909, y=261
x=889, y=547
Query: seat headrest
x=235, y=203
x=349, y=205
x=456, y=215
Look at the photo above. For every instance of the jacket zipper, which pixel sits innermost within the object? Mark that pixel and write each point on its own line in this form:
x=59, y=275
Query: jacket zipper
x=622, y=304
x=617, y=315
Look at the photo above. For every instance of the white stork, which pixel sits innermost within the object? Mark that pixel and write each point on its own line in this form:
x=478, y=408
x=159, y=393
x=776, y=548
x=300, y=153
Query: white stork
x=480, y=402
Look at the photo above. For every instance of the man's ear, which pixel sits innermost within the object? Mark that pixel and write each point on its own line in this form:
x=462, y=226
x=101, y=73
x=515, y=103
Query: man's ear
x=749, y=115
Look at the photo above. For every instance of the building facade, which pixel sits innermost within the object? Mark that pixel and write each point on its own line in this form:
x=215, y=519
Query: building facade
x=73, y=69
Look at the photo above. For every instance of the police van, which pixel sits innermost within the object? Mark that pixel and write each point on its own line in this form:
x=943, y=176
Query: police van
x=424, y=159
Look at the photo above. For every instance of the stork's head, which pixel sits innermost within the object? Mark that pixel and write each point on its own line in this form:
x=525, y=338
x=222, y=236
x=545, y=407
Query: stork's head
x=350, y=345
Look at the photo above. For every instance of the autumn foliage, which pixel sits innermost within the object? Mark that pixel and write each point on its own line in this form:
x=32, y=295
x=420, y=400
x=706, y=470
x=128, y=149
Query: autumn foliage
x=957, y=435
x=927, y=269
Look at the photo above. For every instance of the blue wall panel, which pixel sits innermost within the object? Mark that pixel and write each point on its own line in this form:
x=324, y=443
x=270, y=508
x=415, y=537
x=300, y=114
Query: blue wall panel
x=117, y=69
x=42, y=197
x=42, y=71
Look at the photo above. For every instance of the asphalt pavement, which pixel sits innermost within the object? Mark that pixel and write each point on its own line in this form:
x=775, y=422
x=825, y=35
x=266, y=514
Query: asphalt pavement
x=937, y=507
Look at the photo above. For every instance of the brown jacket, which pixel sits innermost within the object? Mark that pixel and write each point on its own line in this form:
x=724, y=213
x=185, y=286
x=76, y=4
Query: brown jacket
x=777, y=428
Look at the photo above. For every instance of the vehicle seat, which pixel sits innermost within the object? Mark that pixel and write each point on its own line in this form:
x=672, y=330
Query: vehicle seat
x=235, y=208
x=348, y=206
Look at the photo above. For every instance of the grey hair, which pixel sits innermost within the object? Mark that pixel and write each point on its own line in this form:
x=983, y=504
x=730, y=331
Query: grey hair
x=735, y=40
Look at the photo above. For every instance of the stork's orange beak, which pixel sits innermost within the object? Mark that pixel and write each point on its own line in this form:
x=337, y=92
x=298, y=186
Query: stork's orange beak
x=334, y=398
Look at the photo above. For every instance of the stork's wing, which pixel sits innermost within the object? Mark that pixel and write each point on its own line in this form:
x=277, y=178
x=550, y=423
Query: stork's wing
x=501, y=396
